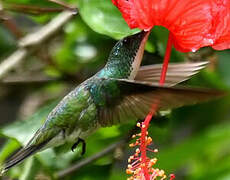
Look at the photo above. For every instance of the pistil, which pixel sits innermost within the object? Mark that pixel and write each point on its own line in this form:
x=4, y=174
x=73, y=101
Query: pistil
x=154, y=107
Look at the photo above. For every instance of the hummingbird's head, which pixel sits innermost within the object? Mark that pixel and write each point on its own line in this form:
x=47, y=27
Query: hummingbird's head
x=128, y=47
x=126, y=55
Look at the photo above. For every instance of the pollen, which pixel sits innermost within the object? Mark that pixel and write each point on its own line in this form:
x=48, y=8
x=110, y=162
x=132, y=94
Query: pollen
x=138, y=150
x=131, y=145
x=155, y=150
x=138, y=124
x=128, y=171
x=161, y=172
x=149, y=140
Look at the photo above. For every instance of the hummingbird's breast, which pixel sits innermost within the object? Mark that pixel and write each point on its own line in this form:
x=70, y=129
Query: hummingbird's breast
x=76, y=114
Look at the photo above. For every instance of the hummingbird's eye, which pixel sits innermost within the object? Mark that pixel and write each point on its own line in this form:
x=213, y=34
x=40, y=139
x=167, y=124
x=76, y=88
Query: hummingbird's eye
x=127, y=41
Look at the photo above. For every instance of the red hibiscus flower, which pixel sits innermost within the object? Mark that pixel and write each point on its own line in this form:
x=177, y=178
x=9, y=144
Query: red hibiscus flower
x=193, y=24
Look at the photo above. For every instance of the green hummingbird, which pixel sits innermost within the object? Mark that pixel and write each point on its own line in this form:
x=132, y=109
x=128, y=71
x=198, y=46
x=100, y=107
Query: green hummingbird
x=119, y=92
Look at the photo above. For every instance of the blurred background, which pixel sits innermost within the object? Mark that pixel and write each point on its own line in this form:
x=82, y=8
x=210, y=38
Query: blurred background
x=193, y=141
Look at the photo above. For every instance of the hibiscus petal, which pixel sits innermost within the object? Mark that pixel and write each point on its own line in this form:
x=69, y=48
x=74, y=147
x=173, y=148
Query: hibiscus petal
x=223, y=26
x=193, y=24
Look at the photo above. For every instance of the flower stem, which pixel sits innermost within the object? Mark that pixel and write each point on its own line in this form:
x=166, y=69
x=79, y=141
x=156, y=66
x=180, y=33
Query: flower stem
x=154, y=107
x=166, y=59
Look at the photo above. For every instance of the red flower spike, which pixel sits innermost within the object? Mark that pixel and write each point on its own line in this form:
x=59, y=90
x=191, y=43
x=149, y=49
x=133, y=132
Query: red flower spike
x=143, y=169
x=193, y=24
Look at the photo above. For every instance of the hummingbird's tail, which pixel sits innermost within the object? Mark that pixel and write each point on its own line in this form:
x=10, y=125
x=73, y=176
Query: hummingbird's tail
x=36, y=143
x=20, y=156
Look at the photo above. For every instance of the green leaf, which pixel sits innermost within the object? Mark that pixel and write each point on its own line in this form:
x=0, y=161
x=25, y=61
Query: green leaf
x=9, y=147
x=223, y=66
x=7, y=43
x=92, y=172
x=103, y=17
x=52, y=161
x=30, y=170
x=22, y=131
x=211, y=144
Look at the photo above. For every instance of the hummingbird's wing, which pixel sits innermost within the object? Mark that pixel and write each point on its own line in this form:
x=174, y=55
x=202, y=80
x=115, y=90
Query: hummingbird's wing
x=176, y=73
x=137, y=98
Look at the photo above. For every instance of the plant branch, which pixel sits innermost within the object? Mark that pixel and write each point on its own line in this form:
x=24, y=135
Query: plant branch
x=33, y=41
x=30, y=9
x=63, y=4
x=12, y=27
x=90, y=159
x=37, y=10
x=8, y=22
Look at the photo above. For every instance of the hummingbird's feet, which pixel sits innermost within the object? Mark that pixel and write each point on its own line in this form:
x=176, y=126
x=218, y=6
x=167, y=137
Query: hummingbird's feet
x=83, y=145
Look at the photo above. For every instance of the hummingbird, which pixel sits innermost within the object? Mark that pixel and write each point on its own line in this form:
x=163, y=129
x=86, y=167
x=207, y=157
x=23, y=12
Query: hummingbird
x=121, y=91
